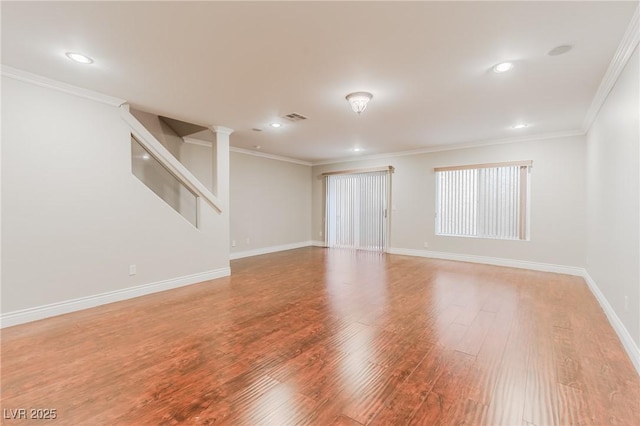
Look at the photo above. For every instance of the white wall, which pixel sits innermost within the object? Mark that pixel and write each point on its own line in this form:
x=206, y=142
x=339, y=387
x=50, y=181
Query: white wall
x=557, y=201
x=613, y=243
x=198, y=160
x=270, y=202
x=73, y=215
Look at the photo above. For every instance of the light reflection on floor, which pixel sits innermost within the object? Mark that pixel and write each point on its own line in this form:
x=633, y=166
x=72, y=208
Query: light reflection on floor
x=352, y=292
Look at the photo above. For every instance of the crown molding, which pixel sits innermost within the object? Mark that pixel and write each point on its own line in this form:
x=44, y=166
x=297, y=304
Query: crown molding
x=193, y=141
x=48, y=83
x=453, y=147
x=625, y=50
x=270, y=156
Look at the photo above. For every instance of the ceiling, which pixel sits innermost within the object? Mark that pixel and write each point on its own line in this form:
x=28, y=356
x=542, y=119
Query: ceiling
x=244, y=65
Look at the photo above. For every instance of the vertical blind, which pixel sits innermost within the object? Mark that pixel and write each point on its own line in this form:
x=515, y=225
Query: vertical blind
x=356, y=208
x=488, y=201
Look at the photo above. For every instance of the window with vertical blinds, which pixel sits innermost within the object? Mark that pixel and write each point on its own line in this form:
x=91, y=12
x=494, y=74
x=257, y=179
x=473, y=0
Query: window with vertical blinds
x=484, y=200
x=356, y=210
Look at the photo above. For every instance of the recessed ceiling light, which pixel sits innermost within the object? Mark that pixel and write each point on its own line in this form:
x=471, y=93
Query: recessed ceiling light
x=145, y=156
x=356, y=149
x=79, y=57
x=519, y=126
x=502, y=67
x=276, y=125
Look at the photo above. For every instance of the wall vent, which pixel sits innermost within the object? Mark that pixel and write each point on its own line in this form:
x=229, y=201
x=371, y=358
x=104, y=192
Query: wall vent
x=294, y=116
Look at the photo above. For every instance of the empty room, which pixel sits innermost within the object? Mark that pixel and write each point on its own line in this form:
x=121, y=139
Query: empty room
x=320, y=213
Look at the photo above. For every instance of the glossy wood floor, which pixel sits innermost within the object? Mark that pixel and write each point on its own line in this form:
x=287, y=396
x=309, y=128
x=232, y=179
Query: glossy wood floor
x=332, y=337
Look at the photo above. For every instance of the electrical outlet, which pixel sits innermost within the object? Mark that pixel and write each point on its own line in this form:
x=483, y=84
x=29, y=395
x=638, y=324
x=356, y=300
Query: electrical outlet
x=426, y=244
x=248, y=241
x=233, y=243
x=626, y=303
x=132, y=270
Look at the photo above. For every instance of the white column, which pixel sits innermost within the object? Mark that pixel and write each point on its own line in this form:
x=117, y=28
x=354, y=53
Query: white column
x=220, y=164
x=220, y=176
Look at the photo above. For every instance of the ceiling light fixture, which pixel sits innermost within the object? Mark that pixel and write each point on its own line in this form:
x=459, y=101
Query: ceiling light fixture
x=519, y=126
x=79, y=58
x=356, y=149
x=145, y=156
x=502, y=67
x=276, y=125
x=359, y=101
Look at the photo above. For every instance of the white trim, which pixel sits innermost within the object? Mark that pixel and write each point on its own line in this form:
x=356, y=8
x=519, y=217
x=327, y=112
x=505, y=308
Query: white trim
x=497, y=261
x=625, y=50
x=267, y=250
x=317, y=243
x=623, y=334
x=270, y=156
x=168, y=160
x=33, y=314
x=453, y=147
x=222, y=130
x=248, y=152
x=41, y=81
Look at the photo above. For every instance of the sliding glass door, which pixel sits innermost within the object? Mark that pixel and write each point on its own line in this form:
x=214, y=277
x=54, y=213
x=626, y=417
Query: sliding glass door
x=356, y=210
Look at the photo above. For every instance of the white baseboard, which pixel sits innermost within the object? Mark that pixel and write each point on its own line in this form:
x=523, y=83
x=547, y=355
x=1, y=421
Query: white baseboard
x=317, y=243
x=623, y=334
x=267, y=250
x=33, y=314
x=511, y=263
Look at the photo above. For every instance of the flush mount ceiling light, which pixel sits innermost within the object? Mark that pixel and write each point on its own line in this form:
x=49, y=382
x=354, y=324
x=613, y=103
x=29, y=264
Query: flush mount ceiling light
x=359, y=101
x=502, y=67
x=79, y=58
x=145, y=156
x=356, y=149
x=276, y=125
x=519, y=126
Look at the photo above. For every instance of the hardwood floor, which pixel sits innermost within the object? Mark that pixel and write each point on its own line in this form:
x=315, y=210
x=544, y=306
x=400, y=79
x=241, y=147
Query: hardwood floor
x=332, y=337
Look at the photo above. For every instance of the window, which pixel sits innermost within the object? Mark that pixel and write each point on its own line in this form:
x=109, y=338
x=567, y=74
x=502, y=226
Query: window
x=483, y=200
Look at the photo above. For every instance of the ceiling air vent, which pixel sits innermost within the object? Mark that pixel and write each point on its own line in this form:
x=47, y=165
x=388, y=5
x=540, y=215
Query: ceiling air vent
x=295, y=117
